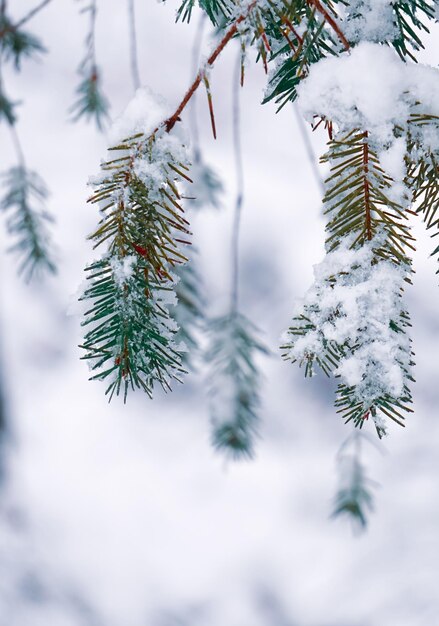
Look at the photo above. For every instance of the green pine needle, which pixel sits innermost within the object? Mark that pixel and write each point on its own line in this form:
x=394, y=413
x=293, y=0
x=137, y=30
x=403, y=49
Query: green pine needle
x=130, y=341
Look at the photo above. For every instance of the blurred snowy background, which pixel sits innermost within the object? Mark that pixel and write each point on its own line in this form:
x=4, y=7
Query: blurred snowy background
x=115, y=515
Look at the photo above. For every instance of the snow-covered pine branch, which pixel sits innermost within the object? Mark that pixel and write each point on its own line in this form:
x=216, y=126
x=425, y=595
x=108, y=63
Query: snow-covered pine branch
x=130, y=336
x=382, y=152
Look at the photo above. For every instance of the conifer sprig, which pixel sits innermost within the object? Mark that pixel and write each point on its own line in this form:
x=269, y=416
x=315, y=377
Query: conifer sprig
x=17, y=44
x=234, y=384
x=91, y=102
x=358, y=198
x=355, y=494
x=28, y=220
x=131, y=337
x=355, y=307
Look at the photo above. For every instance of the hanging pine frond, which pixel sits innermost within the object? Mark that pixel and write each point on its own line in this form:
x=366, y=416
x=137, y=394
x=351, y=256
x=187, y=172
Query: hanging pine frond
x=359, y=198
x=353, y=325
x=131, y=341
x=234, y=384
x=17, y=44
x=355, y=495
x=353, y=322
x=91, y=103
x=28, y=220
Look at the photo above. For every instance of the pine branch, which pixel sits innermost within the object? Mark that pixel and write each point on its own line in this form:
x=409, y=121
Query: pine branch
x=17, y=44
x=234, y=380
x=28, y=220
x=132, y=337
x=91, y=103
x=355, y=306
x=234, y=384
x=354, y=497
x=359, y=200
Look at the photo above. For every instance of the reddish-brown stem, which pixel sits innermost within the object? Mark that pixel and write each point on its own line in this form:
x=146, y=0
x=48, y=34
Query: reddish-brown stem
x=321, y=9
x=289, y=42
x=171, y=121
x=286, y=21
x=367, y=187
x=210, y=103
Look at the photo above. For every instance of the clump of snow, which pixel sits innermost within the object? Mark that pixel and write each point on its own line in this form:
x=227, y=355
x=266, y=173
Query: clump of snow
x=122, y=269
x=144, y=113
x=355, y=303
x=347, y=91
x=370, y=20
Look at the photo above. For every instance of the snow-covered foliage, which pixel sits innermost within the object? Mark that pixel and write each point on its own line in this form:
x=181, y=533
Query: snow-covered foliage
x=344, y=90
x=131, y=339
x=352, y=324
x=350, y=65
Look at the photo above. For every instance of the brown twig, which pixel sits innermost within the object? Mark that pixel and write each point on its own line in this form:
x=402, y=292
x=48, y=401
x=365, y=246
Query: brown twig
x=171, y=121
x=210, y=103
